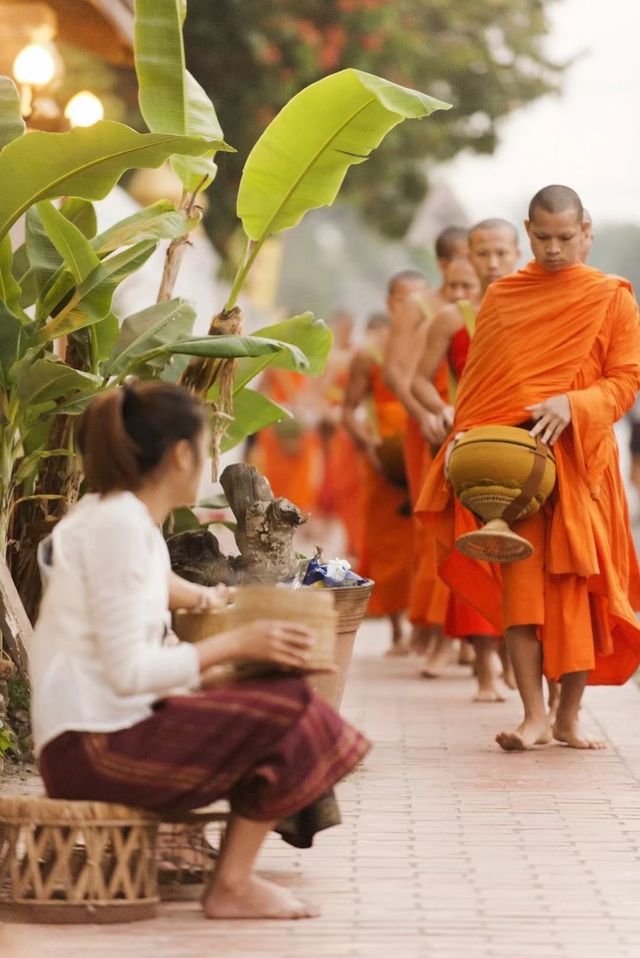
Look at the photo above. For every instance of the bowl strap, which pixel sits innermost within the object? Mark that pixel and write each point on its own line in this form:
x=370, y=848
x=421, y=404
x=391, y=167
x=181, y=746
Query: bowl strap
x=531, y=486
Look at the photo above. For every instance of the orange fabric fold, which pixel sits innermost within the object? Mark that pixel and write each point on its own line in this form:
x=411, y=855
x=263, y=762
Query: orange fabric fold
x=541, y=334
x=387, y=524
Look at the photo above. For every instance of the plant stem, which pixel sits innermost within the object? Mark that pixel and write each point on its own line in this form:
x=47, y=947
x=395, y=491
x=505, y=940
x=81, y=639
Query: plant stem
x=176, y=249
x=242, y=273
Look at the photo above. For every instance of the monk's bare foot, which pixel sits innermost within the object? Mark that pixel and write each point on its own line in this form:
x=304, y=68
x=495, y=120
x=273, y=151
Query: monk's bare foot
x=422, y=640
x=508, y=676
x=489, y=693
x=553, y=701
x=444, y=656
x=528, y=734
x=570, y=733
x=257, y=898
x=467, y=654
x=397, y=650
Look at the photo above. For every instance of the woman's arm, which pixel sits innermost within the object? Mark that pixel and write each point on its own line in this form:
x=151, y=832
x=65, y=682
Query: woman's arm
x=196, y=598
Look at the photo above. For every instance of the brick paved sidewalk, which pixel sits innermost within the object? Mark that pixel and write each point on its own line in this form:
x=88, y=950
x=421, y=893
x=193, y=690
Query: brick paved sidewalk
x=449, y=846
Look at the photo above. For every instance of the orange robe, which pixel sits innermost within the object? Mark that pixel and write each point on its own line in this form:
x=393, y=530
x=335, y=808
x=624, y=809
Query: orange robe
x=341, y=486
x=540, y=334
x=385, y=553
x=429, y=596
x=291, y=463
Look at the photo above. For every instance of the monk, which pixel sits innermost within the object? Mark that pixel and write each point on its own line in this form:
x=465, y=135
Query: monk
x=493, y=252
x=341, y=481
x=587, y=237
x=387, y=522
x=557, y=345
x=290, y=453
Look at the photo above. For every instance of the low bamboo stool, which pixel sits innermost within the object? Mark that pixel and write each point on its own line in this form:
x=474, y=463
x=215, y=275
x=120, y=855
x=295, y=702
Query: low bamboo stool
x=64, y=861
x=185, y=854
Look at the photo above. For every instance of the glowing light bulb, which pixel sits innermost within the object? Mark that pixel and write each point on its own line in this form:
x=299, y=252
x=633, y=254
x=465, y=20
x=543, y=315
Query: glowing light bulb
x=84, y=109
x=35, y=65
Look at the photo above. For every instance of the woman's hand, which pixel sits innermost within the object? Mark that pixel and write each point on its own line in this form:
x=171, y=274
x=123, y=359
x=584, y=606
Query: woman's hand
x=266, y=640
x=212, y=598
x=553, y=416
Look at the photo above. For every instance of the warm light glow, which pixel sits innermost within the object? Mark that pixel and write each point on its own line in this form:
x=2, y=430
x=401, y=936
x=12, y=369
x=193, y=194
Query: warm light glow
x=35, y=65
x=84, y=109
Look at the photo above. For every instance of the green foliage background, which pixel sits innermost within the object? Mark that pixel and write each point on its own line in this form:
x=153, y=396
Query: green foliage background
x=484, y=56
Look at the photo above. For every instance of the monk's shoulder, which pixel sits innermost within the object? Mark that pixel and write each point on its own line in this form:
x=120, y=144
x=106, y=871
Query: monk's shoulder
x=447, y=320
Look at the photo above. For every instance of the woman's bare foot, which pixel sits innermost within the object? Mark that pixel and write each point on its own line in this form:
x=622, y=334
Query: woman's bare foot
x=528, y=734
x=257, y=898
x=569, y=733
x=439, y=661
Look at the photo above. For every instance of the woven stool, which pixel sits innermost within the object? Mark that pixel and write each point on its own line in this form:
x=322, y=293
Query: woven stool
x=63, y=861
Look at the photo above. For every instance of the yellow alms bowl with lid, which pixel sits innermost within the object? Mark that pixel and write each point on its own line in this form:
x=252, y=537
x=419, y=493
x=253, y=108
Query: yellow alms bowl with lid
x=501, y=474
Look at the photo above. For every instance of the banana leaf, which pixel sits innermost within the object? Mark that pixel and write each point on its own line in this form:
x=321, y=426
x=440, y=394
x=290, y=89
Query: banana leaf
x=251, y=412
x=10, y=291
x=310, y=335
x=157, y=222
x=171, y=100
x=11, y=123
x=232, y=347
x=92, y=298
x=86, y=162
x=46, y=380
x=302, y=157
x=147, y=330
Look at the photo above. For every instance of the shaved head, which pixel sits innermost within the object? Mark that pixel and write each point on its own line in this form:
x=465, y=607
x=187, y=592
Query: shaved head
x=451, y=242
x=557, y=199
x=405, y=276
x=495, y=224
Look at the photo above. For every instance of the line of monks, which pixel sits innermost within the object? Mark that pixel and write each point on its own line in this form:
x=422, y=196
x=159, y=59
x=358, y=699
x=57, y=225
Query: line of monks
x=554, y=348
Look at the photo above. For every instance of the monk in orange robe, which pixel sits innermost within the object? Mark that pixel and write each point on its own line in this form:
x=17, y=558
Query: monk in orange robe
x=341, y=476
x=493, y=252
x=289, y=454
x=556, y=344
x=429, y=597
x=385, y=554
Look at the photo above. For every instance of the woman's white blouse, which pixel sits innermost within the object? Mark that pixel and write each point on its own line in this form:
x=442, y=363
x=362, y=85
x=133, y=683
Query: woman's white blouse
x=98, y=661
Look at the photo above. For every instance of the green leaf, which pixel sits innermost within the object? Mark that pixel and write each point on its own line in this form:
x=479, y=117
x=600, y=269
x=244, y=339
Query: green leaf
x=31, y=463
x=10, y=291
x=156, y=222
x=85, y=162
x=233, y=347
x=45, y=260
x=14, y=341
x=310, y=335
x=91, y=300
x=69, y=241
x=50, y=379
x=148, y=329
x=251, y=411
x=171, y=100
x=105, y=335
x=302, y=157
x=11, y=123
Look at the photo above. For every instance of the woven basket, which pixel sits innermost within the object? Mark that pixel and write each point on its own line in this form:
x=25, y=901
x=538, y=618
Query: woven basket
x=351, y=604
x=311, y=607
x=63, y=861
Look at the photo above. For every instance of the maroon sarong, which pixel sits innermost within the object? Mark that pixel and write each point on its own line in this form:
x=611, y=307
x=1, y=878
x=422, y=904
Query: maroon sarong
x=270, y=746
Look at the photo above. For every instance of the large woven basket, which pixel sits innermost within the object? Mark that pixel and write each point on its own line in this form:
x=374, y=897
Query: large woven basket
x=311, y=607
x=63, y=861
x=351, y=604
x=502, y=474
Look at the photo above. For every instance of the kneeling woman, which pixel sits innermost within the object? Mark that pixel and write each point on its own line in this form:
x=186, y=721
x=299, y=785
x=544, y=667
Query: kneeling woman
x=115, y=715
